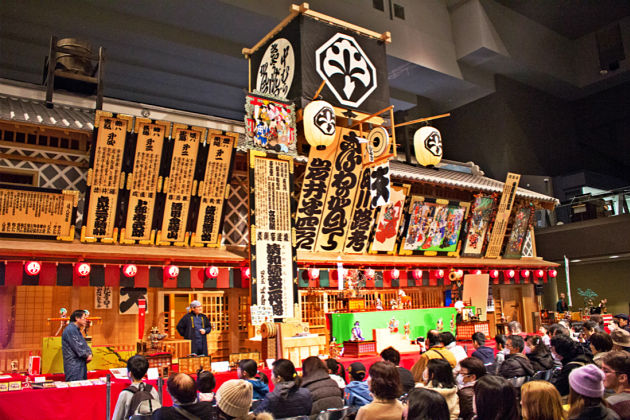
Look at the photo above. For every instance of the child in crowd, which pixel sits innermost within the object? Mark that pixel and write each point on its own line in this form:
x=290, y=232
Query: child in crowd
x=137, y=367
x=248, y=370
x=337, y=372
x=234, y=399
x=287, y=398
x=205, y=385
x=357, y=391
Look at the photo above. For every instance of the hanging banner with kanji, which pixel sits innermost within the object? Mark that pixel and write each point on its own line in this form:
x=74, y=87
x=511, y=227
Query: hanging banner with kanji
x=273, y=258
x=503, y=215
x=105, y=177
x=29, y=212
x=143, y=181
x=214, y=189
x=103, y=297
x=389, y=219
x=180, y=184
x=362, y=219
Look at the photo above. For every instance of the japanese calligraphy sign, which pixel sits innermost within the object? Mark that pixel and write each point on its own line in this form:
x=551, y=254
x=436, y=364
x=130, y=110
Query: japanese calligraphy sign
x=362, y=219
x=129, y=297
x=37, y=212
x=433, y=226
x=317, y=176
x=380, y=185
x=103, y=297
x=520, y=228
x=270, y=125
x=273, y=260
x=142, y=182
x=214, y=189
x=180, y=184
x=346, y=175
x=503, y=215
x=105, y=176
x=389, y=219
x=480, y=215
x=276, y=69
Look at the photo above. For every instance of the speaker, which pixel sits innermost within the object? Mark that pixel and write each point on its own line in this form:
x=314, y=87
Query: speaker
x=538, y=289
x=610, y=48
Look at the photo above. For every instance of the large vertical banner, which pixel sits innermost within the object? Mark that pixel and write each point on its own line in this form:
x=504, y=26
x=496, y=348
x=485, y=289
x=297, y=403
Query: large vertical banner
x=214, y=189
x=180, y=184
x=503, y=215
x=481, y=214
x=105, y=177
x=362, y=219
x=389, y=220
x=143, y=181
x=273, y=259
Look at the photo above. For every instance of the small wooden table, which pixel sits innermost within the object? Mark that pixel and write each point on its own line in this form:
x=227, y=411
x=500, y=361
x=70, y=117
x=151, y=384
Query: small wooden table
x=359, y=348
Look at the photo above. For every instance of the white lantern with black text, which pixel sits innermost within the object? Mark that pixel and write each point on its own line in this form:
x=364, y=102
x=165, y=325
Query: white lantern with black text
x=427, y=144
x=319, y=124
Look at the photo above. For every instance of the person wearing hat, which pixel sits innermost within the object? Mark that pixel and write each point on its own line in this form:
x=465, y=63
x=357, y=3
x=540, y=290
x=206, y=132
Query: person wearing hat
x=622, y=321
x=586, y=395
x=195, y=326
x=620, y=339
x=234, y=399
x=357, y=392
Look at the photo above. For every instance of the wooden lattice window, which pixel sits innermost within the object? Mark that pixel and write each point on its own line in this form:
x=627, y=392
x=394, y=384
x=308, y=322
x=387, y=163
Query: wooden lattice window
x=43, y=138
x=243, y=313
x=215, y=306
x=30, y=326
x=235, y=231
x=313, y=309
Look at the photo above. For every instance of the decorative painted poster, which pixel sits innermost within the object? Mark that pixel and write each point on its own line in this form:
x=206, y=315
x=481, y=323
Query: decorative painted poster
x=104, y=177
x=273, y=260
x=214, y=189
x=361, y=221
x=178, y=187
x=389, y=219
x=142, y=182
x=129, y=297
x=347, y=168
x=520, y=228
x=503, y=215
x=433, y=226
x=270, y=125
x=317, y=176
x=31, y=212
x=478, y=224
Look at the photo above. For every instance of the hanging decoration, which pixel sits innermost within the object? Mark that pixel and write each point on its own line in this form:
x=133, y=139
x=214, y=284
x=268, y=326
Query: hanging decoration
x=270, y=125
x=427, y=144
x=479, y=222
x=319, y=124
x=520, y=228
x=389, y=220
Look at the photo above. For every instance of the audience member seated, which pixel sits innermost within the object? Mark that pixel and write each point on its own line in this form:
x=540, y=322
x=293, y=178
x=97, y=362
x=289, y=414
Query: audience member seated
x=183, y=392
x=599, y=320
x=600, y=344
x=357, y=391
x=620, y=339
x=621, y=320
x=500, y=341
x=448, y=339
x=568, y=352
x=544, y=331
x=515, y=328
x=586, y=400
x=337, y=372
x=558, y=329
x=436, y=351
x=588, y=329
x=248, y=370
x=541, y=401
x=287, y=398
x=137, y=367
x=384, y=383
x=516, y=364
x=407, y=382
x=495, y=399
x=439, y=377
x=616, y=368
x=234, y=398
x=471, y=369
x=426, y=404
x=539, y=355
x=324, y=391
x=482, y=352
x=205, y=385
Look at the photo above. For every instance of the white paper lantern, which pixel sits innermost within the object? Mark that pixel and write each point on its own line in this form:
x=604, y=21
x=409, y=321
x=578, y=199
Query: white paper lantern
x=319, y=124
x=427, y=142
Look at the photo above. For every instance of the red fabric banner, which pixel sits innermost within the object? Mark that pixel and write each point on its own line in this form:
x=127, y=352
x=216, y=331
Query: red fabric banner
x=48, y=275
x=197, y=277
x=112, y=275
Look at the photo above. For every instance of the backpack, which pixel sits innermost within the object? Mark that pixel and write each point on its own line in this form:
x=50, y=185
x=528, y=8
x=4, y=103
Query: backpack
x=142, y=401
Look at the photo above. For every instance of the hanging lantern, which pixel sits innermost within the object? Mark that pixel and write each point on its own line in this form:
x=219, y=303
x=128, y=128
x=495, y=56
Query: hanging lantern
x=369, y=273
x=510, y=273
x=539, y=273
x=552, y=273
x=212, y=272
x=247, y=273
x=459, y=273
x=32, y=268
x=494, y=274
x=525, y=273
x=319, y=124
x=394, y=273
x=427, y=144
x=439, y=273
x=417, y=274
x=172, y=271
x=83, y=269
x=130, y=270
x=313, y=273
x=477, y=272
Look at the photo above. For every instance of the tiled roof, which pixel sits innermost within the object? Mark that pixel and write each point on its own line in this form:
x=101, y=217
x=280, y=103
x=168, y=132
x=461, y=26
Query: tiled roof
x=22, y=110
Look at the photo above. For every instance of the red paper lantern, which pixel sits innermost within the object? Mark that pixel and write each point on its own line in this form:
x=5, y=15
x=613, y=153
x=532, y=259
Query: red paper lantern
x=459, y=273
x=247, y=272
x=494, y=274
x=83, y=269
x=212, y=272
x=394, y=273
x=439, y=273
x=130, y=270
x=417, y=274
x=32, y=268
x=510, y=273
x=525, y=273
x=476, y=272
x=552, y=273
x=172, y=271
x=369, y=273
x=313, y=273
x=539, y=273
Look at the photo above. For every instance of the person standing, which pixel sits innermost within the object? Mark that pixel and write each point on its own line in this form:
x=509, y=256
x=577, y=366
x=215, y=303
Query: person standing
x=76, y=352
x=194, y=326
x=561, y=305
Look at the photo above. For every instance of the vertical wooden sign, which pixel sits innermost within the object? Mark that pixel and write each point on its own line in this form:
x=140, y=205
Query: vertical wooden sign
x=143, y=181
x=273, y=258
x=214, y=189
x=180, y=184
x=362, y=219
x=105, y=177
x=503, y=215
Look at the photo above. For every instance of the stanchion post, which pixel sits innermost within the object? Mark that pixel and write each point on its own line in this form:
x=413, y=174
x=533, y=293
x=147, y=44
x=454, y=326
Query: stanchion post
x=160, y=383
x=109, y=397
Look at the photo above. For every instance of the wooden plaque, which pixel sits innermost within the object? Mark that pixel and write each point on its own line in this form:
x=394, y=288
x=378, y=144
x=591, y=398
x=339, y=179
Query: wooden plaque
x=389, y=219
x=362, y=219
x=503, y=215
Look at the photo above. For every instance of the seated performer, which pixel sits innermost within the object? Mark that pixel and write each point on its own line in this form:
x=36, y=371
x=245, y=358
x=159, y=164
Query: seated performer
x=356, y=332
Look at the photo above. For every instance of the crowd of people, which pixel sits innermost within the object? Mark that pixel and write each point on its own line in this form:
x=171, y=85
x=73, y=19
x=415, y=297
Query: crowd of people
x=565, y=372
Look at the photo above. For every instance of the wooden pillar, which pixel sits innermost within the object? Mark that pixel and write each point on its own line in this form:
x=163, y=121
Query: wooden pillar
x=233, y=312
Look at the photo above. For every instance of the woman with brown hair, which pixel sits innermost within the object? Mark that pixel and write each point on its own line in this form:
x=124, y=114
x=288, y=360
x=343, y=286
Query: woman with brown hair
x=324, y=390
x=384, y=383
x=586, y=395
x=541, y=401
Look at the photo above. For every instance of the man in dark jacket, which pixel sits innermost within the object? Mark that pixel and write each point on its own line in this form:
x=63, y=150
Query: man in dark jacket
x=195, y=326
x=515, y=364
x=76, y=352
x=571, y=356
x=407, y=383
x=182, y=389
x=482, y=352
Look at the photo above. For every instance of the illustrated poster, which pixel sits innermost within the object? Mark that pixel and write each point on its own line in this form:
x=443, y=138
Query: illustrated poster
x=388, y=221
x=270, y=125
x=478, y=224
x=520, y=228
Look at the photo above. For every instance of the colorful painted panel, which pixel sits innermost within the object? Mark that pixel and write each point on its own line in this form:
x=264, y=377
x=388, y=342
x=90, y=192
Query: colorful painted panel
x=270, y=125
x=389, y=219
x=482, y=209
x=520, y=227
x=433, y=226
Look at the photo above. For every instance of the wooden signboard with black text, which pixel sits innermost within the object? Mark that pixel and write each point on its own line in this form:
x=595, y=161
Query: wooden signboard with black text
x=503, y=216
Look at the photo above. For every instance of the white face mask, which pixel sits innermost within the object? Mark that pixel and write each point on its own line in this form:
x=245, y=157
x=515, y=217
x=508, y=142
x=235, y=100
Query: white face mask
x=460, y=380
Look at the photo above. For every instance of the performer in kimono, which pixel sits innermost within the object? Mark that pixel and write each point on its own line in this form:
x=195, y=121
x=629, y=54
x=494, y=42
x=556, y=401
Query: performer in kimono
x=195, y=326
x=76, y=352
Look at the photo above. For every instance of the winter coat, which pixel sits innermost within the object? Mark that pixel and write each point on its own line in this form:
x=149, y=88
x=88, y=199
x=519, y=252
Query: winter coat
x=324, y=391
x=406, y=379
x=286, y=400
x=516, y=365
x=381, y=410
x=598, y=412
x=450, y=395
x=620, y=403
x=260, y=388
x=75, y=352
x=358, y=394
x=466, y=395
x=485, y=354
x=202, y=409
x=433, y=353
x=186, y=328
x=541, y=360
x=561, y=378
